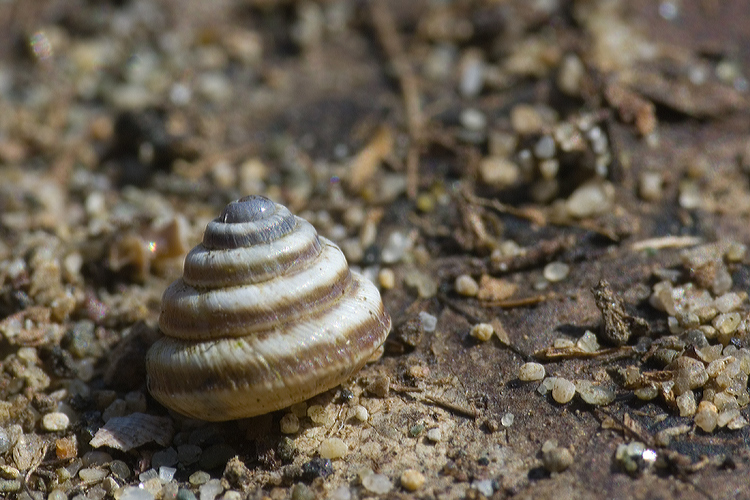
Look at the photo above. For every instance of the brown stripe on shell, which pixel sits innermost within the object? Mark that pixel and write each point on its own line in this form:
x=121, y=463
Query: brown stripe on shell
x=223, y=268
x=245, y=383
x=212, y=321
x=220, y=233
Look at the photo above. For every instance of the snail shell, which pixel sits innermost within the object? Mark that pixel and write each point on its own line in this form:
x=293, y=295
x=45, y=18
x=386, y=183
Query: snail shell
x=266, y=314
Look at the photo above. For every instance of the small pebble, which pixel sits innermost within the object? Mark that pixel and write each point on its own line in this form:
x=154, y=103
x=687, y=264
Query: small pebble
x=341, y=493
x=199, y=477
x=57, y=494
x=90, y=476
x=166, y=474
x=727, y=323
x=210, y=490
x=530, y=372
x=484, y=486
x=377, y=483
x=563, y=390
x=360, y=413
x=387, y=278
x=395, y=247
x=185, y=494
x=728, y=302
x=498, y=172
x=333, y=448
x=466, y=285
x=9, y=472
x=136, y=493
x=320, y=416
x=650, y=186
x=317, y=467
x=555, y=458
x=412, y=480
x=380, y=386
x=435, y=435
x=146, y=476
x=735, y=252
x=428, y=321
x=707, y=416
x=55, y=421
x=556, y=271
x=301, y=491
x=507, y=419
x=120, y=469
x=289, y=424
x=588, y=342
x=545, y=147
x=473, y=119
x=482, y=331
x=594, y=394
x=592, y=198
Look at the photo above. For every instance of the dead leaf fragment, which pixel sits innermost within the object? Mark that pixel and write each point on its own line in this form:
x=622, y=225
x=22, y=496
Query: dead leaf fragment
x=365, y=164
x=134, y=430
x=494, y=289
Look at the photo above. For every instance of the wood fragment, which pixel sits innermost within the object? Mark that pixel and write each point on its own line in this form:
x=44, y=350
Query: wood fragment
x=666, y=242
x=557, y=354
x=522, y=302
x=389, y=39
x=533, y=215
x=541, y=253
x=454, y=407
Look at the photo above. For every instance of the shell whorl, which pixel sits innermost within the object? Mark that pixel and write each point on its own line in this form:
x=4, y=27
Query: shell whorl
x=267, y=314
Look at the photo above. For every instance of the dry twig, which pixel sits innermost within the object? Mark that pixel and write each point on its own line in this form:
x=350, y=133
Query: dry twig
x=391, y=42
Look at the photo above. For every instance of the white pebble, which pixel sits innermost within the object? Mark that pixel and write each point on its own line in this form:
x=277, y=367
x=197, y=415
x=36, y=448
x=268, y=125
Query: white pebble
x=333, y=448
x=473, y=119
x=55, y=421
x=466, y=285
x=360, y=413
x=91, y=476
x=482, y=331
x=435, y=435
x=428, y=321
x=341, y=493
x=377, y=483
x=592, y=198
x=135, y=493
x=531, y=371
x=395, y=248
x=210, y=490
x=507, y=419
x=319, y=415
x=594, y=394
x=728, y=302
x=563, y=390
x=556, y=271
x=166, y=474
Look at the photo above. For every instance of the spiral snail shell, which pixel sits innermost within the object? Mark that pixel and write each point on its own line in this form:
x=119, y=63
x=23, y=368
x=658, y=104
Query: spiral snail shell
x=266, y=314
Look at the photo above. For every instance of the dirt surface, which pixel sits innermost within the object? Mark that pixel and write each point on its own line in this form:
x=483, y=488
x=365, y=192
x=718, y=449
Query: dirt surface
x=540, y=147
